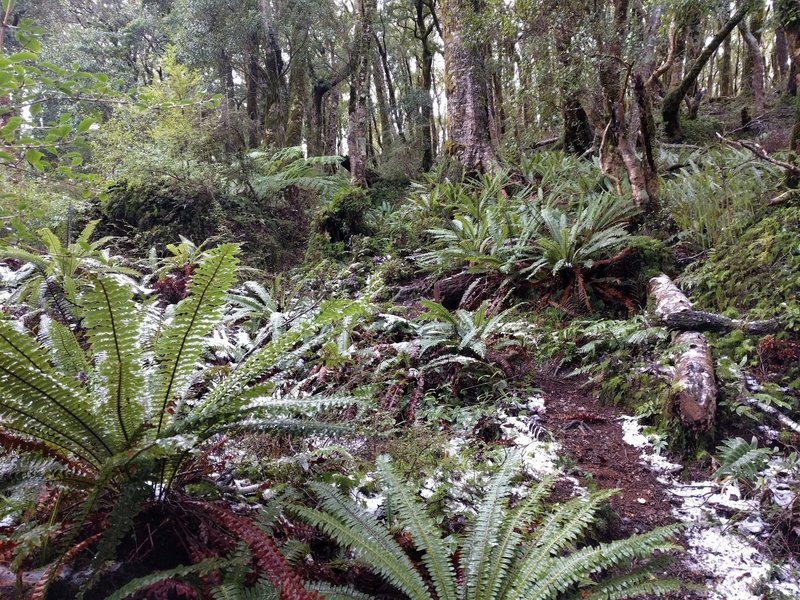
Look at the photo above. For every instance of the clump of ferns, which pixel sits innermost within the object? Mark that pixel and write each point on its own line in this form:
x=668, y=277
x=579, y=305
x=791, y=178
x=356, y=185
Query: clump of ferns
x=53, y=275
x=117, y=412
x=577, y=251
x=461, y=350
x=515, y=548
x=538, y=240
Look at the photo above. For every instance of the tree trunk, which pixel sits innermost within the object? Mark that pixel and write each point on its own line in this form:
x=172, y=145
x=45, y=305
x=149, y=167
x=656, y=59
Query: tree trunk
x=466, y=87
x=578, y=131
x=423, y=31
x=756, y=67
x=788, y=13
x=252, y=77
x=670, y=110
x=274, y=85
x=386, y=133
x=781, y=55
x=695, y=398
x=298, y=92
x=725, y=68
x=359, y=94
x=398, y=121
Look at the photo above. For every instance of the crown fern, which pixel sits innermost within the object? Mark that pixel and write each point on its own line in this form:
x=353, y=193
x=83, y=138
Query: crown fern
x=499, y=558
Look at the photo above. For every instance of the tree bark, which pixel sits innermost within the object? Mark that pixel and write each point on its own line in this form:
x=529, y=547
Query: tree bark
x=359, y=94
x=756, y=67
x=670, y=110
x=725, y=69
x=423, y=31
x=274, y=84
x=386, y=133
x=788, y=13
x=298, y=92
x=466, y=87
x=695, y=399
x=781, y=55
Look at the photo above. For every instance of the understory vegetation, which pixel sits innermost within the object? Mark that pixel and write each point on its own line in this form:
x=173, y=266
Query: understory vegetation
x=239, y=362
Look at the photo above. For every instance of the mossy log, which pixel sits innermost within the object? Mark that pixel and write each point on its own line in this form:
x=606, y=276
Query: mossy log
x=695, y=398
x=675, y=312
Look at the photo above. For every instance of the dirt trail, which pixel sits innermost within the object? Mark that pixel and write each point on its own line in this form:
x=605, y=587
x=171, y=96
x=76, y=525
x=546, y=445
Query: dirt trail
x=590, y=433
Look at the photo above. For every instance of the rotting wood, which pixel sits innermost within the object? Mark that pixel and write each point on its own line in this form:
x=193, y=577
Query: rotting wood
x=675, y=312
x=696, y=396
x=771, y=410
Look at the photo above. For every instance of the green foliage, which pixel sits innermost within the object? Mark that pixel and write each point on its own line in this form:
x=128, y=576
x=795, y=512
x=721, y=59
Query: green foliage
x=766, y=283
x=53, y=279
x=526, y=551
x=741, y=460
x=344, y=215
x=545, y=236
x=716, y=195
x=113, y=410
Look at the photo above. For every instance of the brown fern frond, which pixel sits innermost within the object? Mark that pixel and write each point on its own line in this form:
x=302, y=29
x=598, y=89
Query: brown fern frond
x=18, y=443
x=267, y=556
x=40, y=589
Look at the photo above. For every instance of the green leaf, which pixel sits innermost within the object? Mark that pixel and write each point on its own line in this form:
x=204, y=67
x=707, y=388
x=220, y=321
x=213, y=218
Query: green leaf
x=34, y=157
x=12, y=125
x=22, y=56
x=84, y=125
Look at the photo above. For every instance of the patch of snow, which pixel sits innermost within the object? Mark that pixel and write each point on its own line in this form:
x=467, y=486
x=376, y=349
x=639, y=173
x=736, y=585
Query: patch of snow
x=539, y=457
x=726, y=552
x=632, y=435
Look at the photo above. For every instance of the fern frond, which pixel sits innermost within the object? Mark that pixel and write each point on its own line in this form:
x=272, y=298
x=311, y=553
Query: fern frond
x=483, y=537
x=65, y=350
x=741, y=459
x=423, y=531
x=337, y=592
x=560, y=529
x=643, y=580
x=113, y=324
x=181, y=344
x=140, y=584
x=563, y=572
x=509, y=538
x=358, y=530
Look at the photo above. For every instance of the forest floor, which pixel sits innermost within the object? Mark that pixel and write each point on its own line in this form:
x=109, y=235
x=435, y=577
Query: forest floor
x=726, y=537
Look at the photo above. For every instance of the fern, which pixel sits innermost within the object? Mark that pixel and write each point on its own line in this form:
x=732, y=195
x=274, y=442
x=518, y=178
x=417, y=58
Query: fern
x=358, y=530
x=500, y=559
x=741, y=460
x=142, y=583
x=423, y=531
x=180, y=346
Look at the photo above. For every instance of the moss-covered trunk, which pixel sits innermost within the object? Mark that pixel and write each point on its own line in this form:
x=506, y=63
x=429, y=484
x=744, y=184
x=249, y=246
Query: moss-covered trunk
x=670, y=110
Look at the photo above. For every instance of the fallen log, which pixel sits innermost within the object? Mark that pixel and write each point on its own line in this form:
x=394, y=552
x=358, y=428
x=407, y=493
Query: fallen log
x=695, y=398
x=676, y=313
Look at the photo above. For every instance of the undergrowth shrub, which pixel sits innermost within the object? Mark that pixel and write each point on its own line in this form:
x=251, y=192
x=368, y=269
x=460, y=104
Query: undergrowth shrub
x=717, y=194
